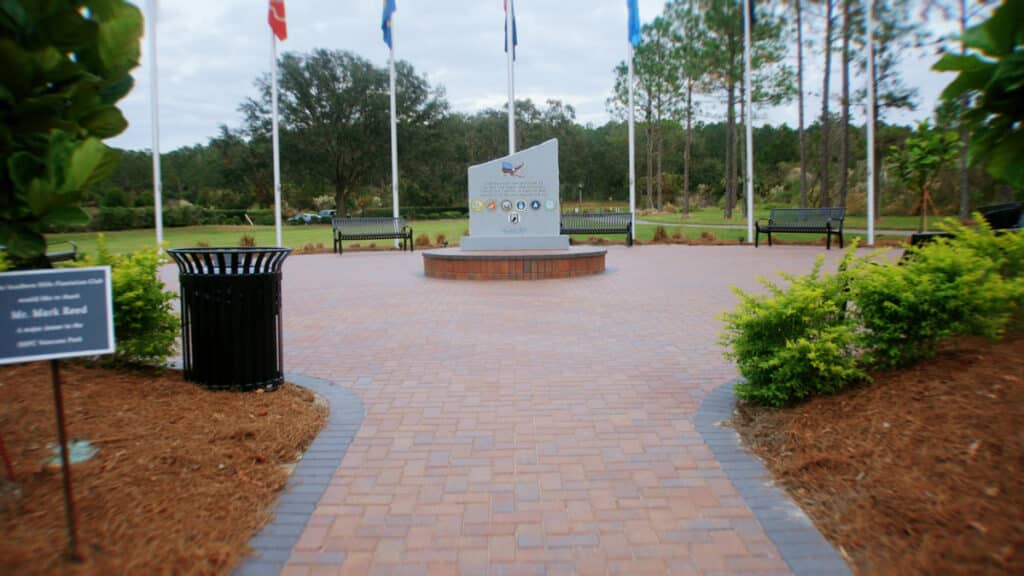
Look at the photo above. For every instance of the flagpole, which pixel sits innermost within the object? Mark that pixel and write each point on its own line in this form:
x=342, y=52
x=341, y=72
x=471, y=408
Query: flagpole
x=870, y=121
x=394, y=127
x=277, y=151
x=154, y=112
x=750, y=120
x=632, y=148
x=510, y=49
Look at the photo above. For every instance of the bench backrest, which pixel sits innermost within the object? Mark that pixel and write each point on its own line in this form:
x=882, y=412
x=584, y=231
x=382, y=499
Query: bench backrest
x=608, y=221
x=806, y=216
x=1003, y=216
x=357, y=225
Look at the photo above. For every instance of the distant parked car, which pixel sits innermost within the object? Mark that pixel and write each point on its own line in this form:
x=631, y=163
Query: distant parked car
x=303, y=218
x=327, y=214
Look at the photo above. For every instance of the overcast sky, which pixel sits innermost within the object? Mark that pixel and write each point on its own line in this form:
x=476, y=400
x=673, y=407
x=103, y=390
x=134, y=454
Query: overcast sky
x=210, y=51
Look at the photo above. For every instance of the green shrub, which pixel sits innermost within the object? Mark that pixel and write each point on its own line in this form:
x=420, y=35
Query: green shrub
x=796, y=342
x=946, y=288
x=144, y=324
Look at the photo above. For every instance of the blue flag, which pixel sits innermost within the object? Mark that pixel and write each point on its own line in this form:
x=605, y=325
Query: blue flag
x=515, y=32
x=634, y=23
x=385, y=21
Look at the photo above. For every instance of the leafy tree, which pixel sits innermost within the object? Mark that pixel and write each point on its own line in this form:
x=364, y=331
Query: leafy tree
x=964, y=14
x=657, y=93
x=921, y=159
x=65, y=66
x=335, y=113
x=723, y=61
x=896, y=33
x=991, y=78
x=689, y=38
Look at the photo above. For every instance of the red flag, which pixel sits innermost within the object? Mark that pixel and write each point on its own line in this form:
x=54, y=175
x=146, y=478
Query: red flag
x=277, y=20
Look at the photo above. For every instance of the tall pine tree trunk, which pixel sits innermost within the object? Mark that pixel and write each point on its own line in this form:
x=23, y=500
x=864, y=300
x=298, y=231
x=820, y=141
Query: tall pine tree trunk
x=965, y=135
x=730, y=151
x=825, y=201
x=688, y=146
x=661, y=179
x=650, y=164
x=844, y=152
x=877, y=176
x=800, y=96
x=741, y=149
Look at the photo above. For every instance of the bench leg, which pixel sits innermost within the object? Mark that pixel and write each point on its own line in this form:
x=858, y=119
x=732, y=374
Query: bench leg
x=757, y=237
x=629, y=235
x=828, y=241
x=840, y=239
x=770, y=239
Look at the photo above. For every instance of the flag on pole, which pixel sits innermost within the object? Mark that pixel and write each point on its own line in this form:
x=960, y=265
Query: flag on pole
x=276, y=19
x=634, y=23
x=515, y=32
x=385, y=21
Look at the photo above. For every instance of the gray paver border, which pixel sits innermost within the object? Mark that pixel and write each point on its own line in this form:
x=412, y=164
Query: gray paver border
x=272, y=546
x=803, y=548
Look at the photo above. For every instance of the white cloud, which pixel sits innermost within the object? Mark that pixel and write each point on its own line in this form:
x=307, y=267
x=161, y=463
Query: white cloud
x=211, y=51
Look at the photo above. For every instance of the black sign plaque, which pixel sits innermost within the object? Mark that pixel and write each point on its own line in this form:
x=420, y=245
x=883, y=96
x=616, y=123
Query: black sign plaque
x=50, y=314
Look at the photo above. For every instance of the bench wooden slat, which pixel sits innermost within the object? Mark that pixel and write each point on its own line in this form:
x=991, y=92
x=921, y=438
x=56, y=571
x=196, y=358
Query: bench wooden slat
x=590, y=223
x=355, y=228
x=828, y=221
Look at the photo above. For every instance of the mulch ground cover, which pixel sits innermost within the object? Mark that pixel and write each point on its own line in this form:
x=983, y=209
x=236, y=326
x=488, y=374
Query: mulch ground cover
x=182, y=479
x=919, y=472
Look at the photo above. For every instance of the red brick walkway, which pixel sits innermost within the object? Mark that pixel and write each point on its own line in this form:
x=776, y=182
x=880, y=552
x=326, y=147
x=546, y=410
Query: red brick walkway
x=528, y=427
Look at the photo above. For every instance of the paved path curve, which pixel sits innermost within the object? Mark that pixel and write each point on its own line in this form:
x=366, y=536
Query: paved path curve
x=528, y=427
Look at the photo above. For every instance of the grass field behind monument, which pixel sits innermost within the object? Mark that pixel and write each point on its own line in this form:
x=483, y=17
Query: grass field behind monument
x=298, y=237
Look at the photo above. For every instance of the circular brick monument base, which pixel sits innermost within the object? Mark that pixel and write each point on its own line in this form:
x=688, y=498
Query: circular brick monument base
x=456, y=264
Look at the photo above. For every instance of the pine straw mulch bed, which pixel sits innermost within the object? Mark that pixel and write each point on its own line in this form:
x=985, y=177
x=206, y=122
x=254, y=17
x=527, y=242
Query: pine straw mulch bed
x=182, y=479
x=920, y=472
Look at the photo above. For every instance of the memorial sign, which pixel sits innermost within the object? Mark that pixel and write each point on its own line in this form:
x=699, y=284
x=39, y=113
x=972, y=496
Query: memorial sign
x=514, y=202
x=50, y=314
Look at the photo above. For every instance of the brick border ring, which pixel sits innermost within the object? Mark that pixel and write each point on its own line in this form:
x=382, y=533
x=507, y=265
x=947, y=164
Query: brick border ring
x=457, y=264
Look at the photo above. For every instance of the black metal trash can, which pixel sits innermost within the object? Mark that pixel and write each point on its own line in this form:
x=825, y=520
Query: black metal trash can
x=231, y=316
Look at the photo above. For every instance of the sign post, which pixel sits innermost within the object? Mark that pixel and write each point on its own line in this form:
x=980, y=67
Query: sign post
x=53, y=314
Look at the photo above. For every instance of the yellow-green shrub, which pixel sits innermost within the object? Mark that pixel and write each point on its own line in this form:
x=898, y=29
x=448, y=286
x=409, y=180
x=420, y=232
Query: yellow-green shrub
x=796, y=342
x=145, y=326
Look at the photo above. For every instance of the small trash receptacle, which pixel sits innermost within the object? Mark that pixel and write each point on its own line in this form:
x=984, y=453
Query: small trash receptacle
x=231, y=316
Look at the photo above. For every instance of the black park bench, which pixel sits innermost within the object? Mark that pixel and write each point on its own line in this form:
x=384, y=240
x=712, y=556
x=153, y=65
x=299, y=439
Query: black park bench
x=590, y=223
x=371, y=229
x=63, y=253
x=827, y=221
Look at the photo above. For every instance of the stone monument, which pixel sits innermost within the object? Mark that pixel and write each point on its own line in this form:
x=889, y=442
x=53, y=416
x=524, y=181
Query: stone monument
x=514, y=202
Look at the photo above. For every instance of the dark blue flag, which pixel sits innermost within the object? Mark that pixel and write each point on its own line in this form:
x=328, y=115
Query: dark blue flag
x=515, y=32
x=385, y=21
x=634, y=23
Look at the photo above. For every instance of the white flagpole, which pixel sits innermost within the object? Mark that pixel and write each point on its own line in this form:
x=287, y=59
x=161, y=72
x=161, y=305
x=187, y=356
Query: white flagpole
x=510, y=48
x=870, y=121
x=277, y=151
x=154, y=112
x=750, y=121
x=394, y=128
x=632, y=148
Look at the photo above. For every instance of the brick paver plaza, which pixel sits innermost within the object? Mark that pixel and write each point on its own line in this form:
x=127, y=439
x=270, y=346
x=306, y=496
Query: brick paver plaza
x=527, y=427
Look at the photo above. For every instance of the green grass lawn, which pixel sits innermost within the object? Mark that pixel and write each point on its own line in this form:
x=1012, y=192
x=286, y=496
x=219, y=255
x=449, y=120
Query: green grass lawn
x=714, y=216
x=298, y=237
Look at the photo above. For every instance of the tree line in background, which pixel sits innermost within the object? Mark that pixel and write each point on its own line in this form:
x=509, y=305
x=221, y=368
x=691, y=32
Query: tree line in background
x=688, y=81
